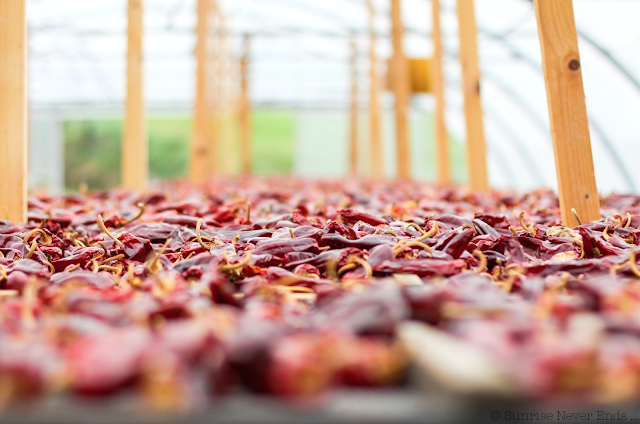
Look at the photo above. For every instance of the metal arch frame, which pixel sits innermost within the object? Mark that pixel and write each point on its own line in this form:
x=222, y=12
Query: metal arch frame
x=100, y=78
x=503, y=160
x=330, y=16
x=277, y=32
x=505, y=164
x=327, y=15
x=519, y=145
x=609, y=56
x=500, y=124
x=321, y=13
x=506, y=130
x=606, y=54
x=520, y=102
x=592, y=121
x=522, y=105
x=333, y=17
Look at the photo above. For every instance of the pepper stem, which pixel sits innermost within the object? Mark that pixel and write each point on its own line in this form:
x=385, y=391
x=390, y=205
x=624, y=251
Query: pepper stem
x=483, y=260
x=527, y=227
x=138, y=215
x=45, y=237
x=632, y=263
x=107, y=232
x=230, y=267
x=198, y=237
x=575, y=214
x=155, y=266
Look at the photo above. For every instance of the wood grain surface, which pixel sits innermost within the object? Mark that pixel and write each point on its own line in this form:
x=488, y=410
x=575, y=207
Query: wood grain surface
x=442, y=139
x=400, y=87
x=476, y=151
x=567, y=111
x=13, y=111
x=134, y=144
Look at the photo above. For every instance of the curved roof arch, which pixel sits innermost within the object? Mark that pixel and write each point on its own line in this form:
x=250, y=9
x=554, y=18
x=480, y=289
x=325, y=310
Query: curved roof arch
x=300, y=58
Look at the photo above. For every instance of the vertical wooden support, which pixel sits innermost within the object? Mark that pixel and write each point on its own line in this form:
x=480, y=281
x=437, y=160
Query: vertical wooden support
x=567, y=111
x=226, y=148
x=442, y=139
x=13, y=111
x=400, y=87
x=134, y=144
x=375, y=146
x=476, y=152
x=353, y=113
x=245, y=124
x=199, y=166
x=212, y=92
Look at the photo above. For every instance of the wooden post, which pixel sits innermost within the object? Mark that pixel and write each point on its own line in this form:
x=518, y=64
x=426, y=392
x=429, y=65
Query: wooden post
x=567, y=111
x=224, y=157
x=375, y=146
x=442, y=139
x=134, y=144
x=212, y=95
x=476, y=152
x=13, y=111
x=245, y=123
x=400, y=87
x=353, y=115
x=199, y=148
x=227, y=148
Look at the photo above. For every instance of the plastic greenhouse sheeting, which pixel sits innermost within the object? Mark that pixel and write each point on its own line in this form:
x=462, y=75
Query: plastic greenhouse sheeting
x=299, y=58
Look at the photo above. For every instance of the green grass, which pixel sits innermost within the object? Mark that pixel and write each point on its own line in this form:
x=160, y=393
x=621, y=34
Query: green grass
x=92, y=148
x=273, y=138
x=168, y=148
x=423, y=145
x=92, y=153
x=459, y=172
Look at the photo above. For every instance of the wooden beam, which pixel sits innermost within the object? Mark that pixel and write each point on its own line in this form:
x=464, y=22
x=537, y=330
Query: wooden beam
x=400, y=87
x=134, y=144
x=476, y=152
x=200, y=151
x=13, y=111
x=353, y=114
x=567, y=111
x=212, y=92
x=442, y=139
x=226, y=152
x=375, y=141
x=245, y=110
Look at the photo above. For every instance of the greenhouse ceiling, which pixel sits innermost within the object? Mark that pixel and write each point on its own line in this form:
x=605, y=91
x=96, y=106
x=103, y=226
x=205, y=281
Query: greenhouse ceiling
x=299, y=57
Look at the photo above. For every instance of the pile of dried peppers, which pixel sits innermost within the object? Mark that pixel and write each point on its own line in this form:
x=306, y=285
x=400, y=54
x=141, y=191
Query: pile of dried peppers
x=295, y=287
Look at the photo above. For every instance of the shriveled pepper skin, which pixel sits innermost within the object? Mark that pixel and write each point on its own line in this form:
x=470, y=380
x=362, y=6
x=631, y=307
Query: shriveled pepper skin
x=294, y=288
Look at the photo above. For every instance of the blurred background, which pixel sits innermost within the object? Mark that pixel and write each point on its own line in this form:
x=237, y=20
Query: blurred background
x=299, y=85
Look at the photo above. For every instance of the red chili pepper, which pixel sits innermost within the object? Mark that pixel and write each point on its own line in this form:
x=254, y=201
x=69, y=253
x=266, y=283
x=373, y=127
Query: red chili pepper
x=352, y=216
x=420, y=267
